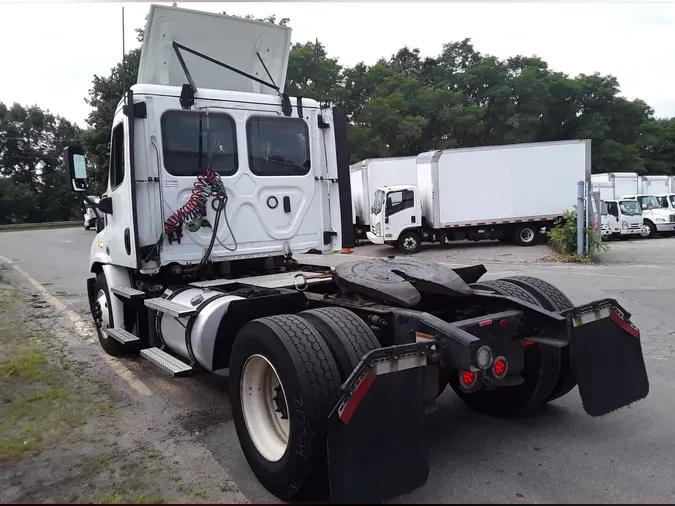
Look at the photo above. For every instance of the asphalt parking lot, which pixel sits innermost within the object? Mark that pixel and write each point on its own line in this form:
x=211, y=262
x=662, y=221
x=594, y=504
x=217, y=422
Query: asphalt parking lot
x=560, y=455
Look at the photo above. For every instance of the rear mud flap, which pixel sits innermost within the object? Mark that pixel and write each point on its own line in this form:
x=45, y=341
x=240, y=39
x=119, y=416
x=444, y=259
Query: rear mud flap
x=377, y=447
x=608, y=357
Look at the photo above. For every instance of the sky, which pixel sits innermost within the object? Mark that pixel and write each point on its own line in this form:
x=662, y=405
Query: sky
x=52, y=50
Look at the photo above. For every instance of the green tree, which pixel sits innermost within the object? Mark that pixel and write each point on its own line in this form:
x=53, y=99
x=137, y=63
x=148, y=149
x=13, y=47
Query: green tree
x=33, y=183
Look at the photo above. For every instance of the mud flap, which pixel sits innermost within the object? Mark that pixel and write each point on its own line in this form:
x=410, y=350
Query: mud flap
x=607, y=353
x=377, y=447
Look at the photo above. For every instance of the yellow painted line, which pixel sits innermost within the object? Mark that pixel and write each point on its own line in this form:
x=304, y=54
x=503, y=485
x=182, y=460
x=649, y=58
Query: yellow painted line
x=86, y=330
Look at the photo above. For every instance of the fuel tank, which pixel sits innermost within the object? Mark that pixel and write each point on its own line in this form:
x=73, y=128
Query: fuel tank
x=199, y=330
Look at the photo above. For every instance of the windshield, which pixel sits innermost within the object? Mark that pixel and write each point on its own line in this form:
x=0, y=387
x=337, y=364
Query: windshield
x=649, y=202
x=630, y=208
x=378, y=201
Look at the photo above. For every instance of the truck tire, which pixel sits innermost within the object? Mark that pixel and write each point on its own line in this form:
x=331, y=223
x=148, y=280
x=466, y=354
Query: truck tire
x=86, y=226
x=103, y=317
x=282, y=362
x=552, y=298
x=540, y=374
x=347, y=336
x=409, y=242
x=526, y=235
x=652, y=229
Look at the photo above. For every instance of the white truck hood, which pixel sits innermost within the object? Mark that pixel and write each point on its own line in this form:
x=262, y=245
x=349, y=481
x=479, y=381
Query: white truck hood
x=230, y=40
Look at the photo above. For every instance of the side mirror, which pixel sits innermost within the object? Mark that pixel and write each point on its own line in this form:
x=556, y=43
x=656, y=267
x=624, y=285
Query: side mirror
x=76, y=167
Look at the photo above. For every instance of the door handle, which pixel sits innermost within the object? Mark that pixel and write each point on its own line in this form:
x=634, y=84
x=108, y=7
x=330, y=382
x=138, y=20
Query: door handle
x=412, y=219
x=287, y=204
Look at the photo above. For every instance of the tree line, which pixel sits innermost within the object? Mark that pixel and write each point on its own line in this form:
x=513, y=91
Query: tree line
x=398, y=106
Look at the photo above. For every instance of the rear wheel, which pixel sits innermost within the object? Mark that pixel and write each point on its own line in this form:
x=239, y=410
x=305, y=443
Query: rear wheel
x=283, y=384
x=347, y=336
x=552, y=298
x=525, y=235
x=540, y=372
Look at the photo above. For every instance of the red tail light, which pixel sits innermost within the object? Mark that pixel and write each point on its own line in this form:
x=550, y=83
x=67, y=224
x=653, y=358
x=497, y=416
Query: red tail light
x=468, y=378
x=500, y=367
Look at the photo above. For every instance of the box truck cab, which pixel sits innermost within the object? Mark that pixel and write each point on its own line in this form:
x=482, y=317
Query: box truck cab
x=667, y=201
x=622, y=218
x=656, y=219
x=395, y=212
x=371, y=174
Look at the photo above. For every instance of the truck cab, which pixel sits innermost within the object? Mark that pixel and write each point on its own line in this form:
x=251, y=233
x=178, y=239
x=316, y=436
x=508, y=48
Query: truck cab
x=656, y=219
x=621, y=218
x=667, y=201
x=396, y=210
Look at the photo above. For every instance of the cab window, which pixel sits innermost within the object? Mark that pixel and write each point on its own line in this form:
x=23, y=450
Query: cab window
x=117, y=157
x=185, y=155
x=397, y=201
x=278, y=146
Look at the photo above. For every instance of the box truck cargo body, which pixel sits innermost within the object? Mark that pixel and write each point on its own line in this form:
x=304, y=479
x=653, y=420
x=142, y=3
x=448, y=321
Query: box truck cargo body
x=630, y=186
x=370, y=174
x=512, y=192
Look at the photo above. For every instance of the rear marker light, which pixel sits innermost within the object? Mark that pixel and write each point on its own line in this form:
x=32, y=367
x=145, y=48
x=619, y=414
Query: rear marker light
x=484, y=357
x=484, y=323
x=468, y=378
x=527, y=342
x=500, y=367
x=503, y=324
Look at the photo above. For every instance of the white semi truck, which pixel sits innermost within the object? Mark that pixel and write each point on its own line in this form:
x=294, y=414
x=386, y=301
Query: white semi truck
x=620, y=218
x=630, y=186
x=372, y=173
x=513, y=193
x=217, y=178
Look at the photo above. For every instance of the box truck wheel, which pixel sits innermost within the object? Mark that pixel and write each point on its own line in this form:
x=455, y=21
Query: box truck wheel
x=103, y=317
x=540, y=373
x=283, y=384
x=650, y=229
x=552, y=298
x=409, y=242
x=348, y=336
x=526, y=235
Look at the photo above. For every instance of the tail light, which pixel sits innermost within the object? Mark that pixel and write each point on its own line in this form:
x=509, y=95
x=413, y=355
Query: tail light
x=467, y=378
x=500, y=367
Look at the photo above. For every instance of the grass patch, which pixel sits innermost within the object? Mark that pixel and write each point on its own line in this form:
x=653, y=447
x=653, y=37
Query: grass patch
x=37, y=407
x=563, y=242
x=193, y=491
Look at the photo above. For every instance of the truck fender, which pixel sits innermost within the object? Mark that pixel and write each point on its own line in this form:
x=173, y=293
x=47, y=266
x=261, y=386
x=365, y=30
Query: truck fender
x=116, y=276
x=98, y=255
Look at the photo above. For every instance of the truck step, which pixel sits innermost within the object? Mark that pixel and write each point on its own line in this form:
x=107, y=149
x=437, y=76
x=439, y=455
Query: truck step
x=127, y=292
x=169, y=307
x=122, y=336
x=165, y=362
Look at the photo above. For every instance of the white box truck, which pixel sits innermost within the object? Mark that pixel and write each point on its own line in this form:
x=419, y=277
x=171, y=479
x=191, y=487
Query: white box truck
x=661, y=187
x=368, y=175
x=620, y=218
x=510, y=192
x=630, y=186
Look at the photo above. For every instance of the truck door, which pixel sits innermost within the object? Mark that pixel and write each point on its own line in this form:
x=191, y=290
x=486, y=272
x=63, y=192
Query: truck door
x=400, y=213
x=117, y=236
